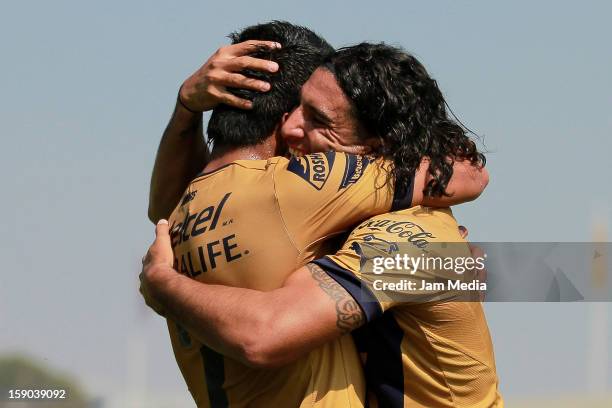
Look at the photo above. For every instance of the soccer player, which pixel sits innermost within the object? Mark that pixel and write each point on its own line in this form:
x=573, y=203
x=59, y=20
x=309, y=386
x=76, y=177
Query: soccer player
x=303, y=317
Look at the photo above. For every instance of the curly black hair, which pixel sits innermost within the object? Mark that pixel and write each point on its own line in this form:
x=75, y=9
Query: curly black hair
x=396, y=100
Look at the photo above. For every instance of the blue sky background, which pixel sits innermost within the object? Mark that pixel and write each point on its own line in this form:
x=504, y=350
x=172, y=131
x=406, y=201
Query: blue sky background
x=88, y=86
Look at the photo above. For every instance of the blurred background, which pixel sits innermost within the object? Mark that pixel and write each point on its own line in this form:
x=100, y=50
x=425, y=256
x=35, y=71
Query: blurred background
x=88, y=87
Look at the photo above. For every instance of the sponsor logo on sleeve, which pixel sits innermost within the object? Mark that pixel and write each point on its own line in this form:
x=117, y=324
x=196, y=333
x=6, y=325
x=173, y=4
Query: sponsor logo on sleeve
x=355, y=167
x=314, y=168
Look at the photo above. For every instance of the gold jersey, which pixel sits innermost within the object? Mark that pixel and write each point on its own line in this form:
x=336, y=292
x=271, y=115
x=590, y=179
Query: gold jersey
x=250, y=224
x=419, y=353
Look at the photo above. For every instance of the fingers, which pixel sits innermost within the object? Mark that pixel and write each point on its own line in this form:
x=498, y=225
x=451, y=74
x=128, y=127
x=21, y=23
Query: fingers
x=232, y=100
x=480, y=273
x=243, y=82
x=477, y=252
x=149, y=301
x=239, y=81
x=162, y=231
x=248, y=47
x=160, y=251
x=256, y=64
x=353, y=149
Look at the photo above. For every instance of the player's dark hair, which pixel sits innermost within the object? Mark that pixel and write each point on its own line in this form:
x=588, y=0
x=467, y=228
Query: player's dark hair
x=301, y=52
x=396, y=100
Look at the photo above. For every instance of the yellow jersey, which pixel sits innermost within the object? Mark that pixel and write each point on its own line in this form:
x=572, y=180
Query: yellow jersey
x=419, y=353
x=250, y=224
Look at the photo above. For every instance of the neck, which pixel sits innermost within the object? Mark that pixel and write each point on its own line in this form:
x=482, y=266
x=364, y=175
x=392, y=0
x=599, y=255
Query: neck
x=226, y=155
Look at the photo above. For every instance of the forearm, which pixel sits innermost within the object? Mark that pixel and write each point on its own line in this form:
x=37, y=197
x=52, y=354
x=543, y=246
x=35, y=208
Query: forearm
x=181, y=155
x=468, y=181
x=466, y=184
x=260, y=329
x=224, y=318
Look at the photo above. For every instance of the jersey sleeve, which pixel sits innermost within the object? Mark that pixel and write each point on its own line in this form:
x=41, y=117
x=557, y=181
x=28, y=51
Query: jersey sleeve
x=323, y=194
x=345, y=268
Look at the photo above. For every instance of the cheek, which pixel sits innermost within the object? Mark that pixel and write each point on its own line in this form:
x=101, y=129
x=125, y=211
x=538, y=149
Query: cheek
x=319, y=141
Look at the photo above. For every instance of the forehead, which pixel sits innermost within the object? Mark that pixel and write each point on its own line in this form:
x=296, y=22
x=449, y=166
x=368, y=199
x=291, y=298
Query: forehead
x=322, y=93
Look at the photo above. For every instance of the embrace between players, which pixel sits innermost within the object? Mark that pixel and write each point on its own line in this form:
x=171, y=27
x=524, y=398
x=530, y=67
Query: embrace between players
x=258, y=266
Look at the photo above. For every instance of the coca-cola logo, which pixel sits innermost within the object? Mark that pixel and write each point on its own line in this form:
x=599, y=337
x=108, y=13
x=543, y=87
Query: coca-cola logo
x=405, y=230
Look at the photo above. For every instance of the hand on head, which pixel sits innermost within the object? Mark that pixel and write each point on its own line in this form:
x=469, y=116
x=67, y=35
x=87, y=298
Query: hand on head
x=208, y=86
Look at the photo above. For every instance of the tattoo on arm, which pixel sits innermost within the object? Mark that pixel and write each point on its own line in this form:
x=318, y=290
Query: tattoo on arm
x=348, y=312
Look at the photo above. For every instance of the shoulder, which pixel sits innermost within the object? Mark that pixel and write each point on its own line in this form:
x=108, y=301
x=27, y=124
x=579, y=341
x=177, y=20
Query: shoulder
x=344, y=169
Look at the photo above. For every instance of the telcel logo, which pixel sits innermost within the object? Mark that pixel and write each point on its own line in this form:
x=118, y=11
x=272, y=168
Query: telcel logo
x=205, y=220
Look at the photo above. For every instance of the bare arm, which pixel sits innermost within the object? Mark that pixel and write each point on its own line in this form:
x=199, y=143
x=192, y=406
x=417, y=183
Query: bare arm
x=466, y=184
x=182, y=152
x=261, y=329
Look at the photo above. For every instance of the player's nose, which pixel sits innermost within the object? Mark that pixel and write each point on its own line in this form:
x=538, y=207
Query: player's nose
x=293, y=125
